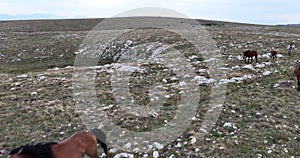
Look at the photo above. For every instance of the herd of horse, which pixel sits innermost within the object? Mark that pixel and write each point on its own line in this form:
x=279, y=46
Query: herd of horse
x=85, y=142
x=248, y=56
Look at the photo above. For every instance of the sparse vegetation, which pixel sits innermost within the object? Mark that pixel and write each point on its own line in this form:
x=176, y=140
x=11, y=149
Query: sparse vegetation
x=260, y=116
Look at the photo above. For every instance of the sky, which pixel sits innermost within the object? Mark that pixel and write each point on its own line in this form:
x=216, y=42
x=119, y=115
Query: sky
x=246, y=11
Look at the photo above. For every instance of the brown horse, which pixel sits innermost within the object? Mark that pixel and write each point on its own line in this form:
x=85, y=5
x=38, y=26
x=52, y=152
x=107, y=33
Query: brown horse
x=273, y=55
x=79, y=144
x=250, y=54
x=297, y=74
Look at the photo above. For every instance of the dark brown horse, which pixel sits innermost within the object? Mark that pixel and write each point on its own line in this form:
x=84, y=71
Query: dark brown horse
x=79, y=144
x=297, y=74
x=273, y=55
x=249, y=54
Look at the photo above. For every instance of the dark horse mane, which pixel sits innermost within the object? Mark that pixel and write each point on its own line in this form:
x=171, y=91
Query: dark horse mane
x=40, y=150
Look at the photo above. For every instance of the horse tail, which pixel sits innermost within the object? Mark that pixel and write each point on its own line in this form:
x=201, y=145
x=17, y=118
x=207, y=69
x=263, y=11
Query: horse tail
x=101, y=138
x=256, y=56
x=245, y=54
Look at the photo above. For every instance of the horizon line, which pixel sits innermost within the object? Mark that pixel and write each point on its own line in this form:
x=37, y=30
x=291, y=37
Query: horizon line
x=27, y=17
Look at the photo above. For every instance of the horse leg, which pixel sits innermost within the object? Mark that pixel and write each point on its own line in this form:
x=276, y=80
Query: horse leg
x=91, y=150
x=298, y=89
x=93, y=155
x=272, y=58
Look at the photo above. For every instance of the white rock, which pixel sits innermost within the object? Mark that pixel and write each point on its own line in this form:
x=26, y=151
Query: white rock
x=127, y=146
x=266, y=73
x=182, y=83
x=178, y=145
x=2, y=152
x=172, y=156
x=136, y=150
x=22, y=76
x=249, y=66
x=228, y=124
x=158, y=145
x=269, y=151
x=260, y=65
x=239, y=57
x=193, y=57
x=17, y=84
x=235, y=67
x=267, y=55
x=259, y=155
x=33, y=93
x=203, y=80
x=122, y=155
x=155, y=154
x=210, y=60
x=193, y=140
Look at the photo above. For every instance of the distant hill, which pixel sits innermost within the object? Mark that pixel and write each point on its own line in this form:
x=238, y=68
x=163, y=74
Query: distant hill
x=29, y=16
x=296, y=25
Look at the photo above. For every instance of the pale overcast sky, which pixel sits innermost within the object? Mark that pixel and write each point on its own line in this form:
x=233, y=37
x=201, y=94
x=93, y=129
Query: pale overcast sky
x=248, y=11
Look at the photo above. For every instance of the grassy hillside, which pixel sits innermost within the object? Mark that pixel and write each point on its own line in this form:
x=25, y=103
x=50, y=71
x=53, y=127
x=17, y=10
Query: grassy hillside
x=259, y=118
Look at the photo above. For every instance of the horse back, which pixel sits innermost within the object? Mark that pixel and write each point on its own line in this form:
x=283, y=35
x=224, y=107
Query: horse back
x=273, y=52
x=75, y=146
x=81, y=137
x=250, y=53
x=246, y=53
x=254, y=53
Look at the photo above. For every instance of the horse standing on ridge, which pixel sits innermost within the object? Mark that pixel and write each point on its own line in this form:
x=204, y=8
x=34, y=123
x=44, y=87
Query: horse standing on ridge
x=273, y=55
x=249, y=54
